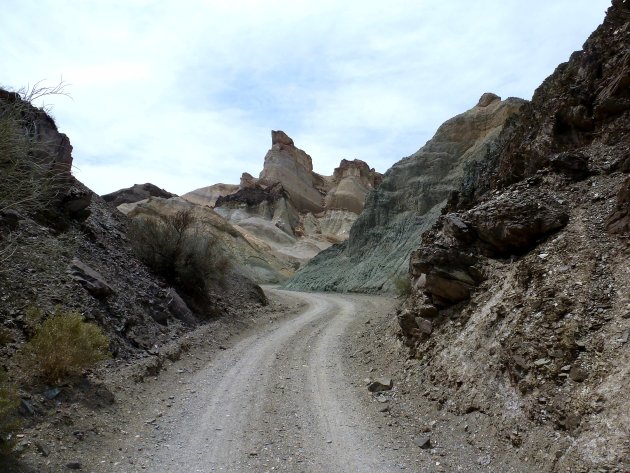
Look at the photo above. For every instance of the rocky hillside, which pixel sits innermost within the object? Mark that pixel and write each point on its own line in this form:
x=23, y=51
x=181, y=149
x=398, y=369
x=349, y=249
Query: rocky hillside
x=521, y=291
x=407, y=202
x=290, y=208
x=248, y=256
x=64, y=248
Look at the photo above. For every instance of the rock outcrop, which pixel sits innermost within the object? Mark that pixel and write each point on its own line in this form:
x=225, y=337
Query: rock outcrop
x=526, y=271
x=136, y=193
x=291, y=208
x=289, y=165
x=350, y=184
x=408, y=201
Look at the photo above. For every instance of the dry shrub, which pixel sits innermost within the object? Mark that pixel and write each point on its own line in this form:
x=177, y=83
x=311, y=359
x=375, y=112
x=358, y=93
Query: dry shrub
x=62, y=347
x=9, y=421
x=29, y=181
x=176, y=249
x=402, y=284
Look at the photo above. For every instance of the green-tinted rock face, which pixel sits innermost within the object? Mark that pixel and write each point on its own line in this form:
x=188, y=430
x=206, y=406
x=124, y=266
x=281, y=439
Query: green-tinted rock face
x=407, y=202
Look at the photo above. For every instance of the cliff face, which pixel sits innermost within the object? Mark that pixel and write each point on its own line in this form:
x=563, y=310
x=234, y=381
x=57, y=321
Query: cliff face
x=289, y=165
x=290, y=208
x=520, y=291
x=408, y=201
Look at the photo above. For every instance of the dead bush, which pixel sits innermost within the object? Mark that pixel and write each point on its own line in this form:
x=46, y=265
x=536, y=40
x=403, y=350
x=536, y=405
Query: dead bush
x=62, y=347
x=178, y=251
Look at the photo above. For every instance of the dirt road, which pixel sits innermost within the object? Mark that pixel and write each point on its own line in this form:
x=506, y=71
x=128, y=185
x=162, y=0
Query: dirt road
x=280, y=401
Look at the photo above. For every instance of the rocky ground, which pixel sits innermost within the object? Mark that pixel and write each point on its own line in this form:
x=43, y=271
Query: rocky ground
x=92, y=426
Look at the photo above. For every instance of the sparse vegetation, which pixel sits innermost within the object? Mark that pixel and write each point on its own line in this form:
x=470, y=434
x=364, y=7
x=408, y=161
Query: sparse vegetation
x=175, y=249
x=402, y=284
x=9, y=421
x=29, y=182
x=62, y=347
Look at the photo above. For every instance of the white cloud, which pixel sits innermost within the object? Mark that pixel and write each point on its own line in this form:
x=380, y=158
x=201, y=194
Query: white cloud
x=183, y=94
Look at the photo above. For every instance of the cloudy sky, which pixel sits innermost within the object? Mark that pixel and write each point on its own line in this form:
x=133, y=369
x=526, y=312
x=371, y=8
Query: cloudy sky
x=184, y=93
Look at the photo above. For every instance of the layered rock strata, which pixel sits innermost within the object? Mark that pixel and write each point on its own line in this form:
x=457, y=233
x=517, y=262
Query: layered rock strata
x=408, y=201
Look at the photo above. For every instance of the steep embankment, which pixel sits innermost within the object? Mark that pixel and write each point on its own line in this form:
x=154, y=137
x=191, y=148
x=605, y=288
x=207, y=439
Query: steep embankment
x=63, y=247
x=407, y=202
x=521, y=301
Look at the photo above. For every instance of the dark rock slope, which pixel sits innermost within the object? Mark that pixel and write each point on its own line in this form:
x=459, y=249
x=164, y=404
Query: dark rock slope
x=68, y=249
x=521, y=290
x=407, y=202
x=136, y=193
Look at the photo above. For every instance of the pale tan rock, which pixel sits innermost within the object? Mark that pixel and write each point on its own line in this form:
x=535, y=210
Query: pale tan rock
x=251, y=257
x=209, y=195
x=351, y=182
x=293, y=168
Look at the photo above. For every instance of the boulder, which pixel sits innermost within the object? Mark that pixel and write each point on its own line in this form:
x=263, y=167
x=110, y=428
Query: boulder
x=178, y=307
x=407, y=322
x=571, y=164
x=380, y=385
x=449, y=291
x=619, y=221
x=91, y=280
x=425, y=326
x=428, y=311
x=514, y=221
x=76, y=202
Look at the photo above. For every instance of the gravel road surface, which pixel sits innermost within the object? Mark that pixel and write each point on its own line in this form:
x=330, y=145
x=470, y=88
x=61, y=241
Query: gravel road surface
x=279, y=401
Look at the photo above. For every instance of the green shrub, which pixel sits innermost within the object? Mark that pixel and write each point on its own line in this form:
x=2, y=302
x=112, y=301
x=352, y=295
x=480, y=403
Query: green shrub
x=174, y=248
x=62, y=347
x=402, y=284
x=9, y=421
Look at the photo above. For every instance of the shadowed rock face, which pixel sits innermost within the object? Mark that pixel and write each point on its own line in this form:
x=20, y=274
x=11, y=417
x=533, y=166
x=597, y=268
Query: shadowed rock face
x=408, y=200
x=293, y=168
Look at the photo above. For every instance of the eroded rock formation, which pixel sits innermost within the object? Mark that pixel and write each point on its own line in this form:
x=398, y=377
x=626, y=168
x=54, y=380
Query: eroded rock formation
x=291, y=208
x=408, y=201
